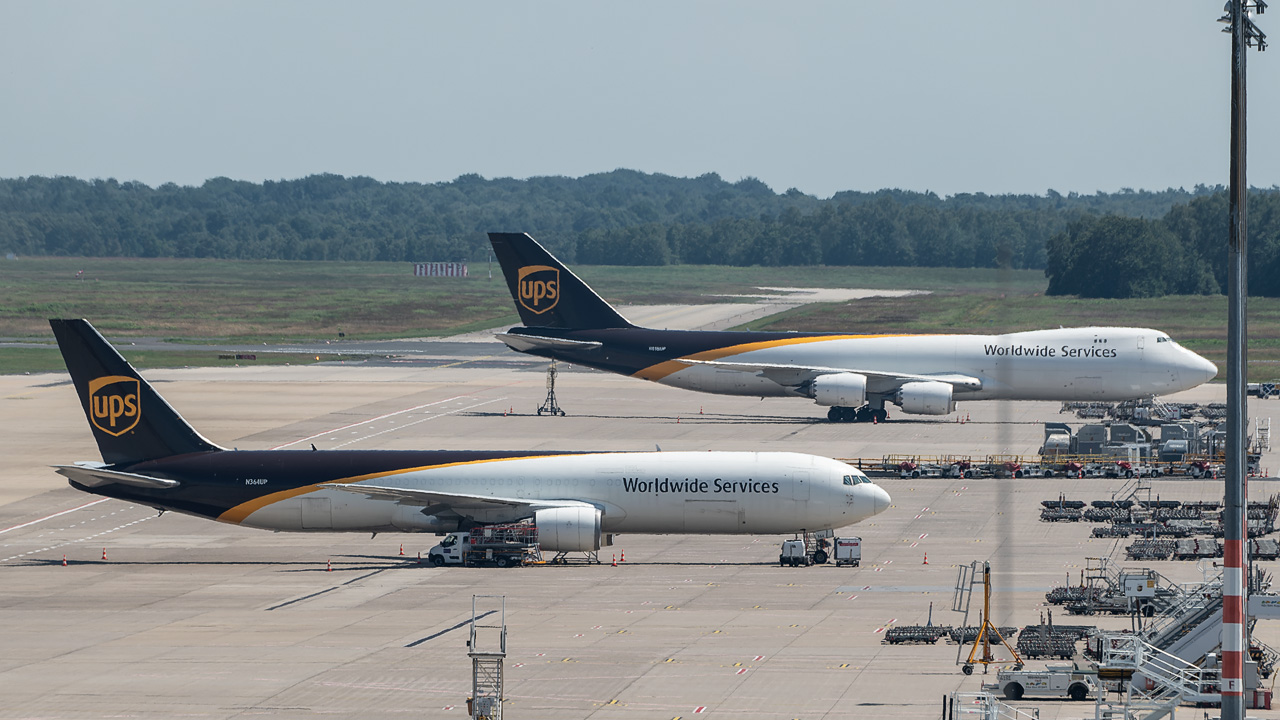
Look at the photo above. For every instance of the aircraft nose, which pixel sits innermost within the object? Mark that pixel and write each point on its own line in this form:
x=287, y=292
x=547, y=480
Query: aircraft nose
x=882, y=500
x=1207, y=370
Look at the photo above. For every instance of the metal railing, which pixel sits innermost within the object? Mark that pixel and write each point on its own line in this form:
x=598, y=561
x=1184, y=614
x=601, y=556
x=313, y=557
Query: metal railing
x=984, y=706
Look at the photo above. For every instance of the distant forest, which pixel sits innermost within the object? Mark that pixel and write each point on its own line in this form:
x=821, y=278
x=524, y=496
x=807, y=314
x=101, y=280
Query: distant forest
x=1130, y=243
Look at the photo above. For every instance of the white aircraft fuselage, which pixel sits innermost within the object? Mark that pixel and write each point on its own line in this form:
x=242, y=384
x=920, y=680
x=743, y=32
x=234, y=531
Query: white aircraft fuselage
x=1090, y=363
x=853, y=375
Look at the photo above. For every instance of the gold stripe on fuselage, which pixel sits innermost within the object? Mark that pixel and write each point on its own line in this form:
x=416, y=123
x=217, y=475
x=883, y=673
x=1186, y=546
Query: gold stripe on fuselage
x=238, y=513
x=663, y=369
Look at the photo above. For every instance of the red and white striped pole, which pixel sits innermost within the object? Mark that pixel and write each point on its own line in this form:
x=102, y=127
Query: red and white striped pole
x=1235, y=506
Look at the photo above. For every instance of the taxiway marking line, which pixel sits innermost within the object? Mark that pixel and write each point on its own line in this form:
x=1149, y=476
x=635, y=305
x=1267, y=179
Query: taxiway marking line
x=365, y=422
x=57, y=514
x=415, y=422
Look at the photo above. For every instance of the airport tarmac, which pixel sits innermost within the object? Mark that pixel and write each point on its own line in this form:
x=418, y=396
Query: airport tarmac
x=190, y=618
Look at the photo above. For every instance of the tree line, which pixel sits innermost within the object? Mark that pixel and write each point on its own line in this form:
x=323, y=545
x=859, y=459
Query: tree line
x=1162, y=241
x=1182, y=253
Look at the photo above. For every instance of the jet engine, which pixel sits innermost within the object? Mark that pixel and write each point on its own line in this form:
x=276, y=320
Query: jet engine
x=411, y=519
x=840, y=390
x=568, y=529
x=925, y=398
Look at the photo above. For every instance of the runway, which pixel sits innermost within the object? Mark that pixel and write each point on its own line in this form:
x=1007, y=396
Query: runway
x=189, y=618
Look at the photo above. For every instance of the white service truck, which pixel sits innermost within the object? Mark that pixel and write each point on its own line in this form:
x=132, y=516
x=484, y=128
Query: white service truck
x=491, y=546
x=848, y=551
x=1055, y=680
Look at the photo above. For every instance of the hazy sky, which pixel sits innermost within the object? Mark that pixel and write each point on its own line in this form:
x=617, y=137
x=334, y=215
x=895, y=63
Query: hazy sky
x=943, y=95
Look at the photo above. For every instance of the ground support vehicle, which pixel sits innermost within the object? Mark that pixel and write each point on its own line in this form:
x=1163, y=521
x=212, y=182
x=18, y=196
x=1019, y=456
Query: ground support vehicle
x=793, y=553
x=848, y=551
x=1055, y=680
x=809, y=549
x=489, y=546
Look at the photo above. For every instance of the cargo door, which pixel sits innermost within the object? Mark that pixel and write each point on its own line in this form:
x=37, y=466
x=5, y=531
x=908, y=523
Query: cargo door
x=800, y=485
x=317, y=513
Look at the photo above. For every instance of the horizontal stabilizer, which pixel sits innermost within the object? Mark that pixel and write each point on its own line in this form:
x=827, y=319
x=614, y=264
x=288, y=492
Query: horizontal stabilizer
x=94, y=476
x=525, y=343
x=794, y=375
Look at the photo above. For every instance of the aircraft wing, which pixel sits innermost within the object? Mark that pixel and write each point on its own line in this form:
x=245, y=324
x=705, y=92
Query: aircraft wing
x=94, y=475
x=461, y=503
x=879, y=380
x=525, y=343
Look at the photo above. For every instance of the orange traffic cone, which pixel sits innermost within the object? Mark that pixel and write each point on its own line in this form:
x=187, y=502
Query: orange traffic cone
x=104, y=553
x=624, y=556
x=402, y=549
x=875, y=419
x=64, y=561
x=615, y=561
x=329, y=567
x=677, y=419
x=419, y=557
x=926, y=559
x=699, y=409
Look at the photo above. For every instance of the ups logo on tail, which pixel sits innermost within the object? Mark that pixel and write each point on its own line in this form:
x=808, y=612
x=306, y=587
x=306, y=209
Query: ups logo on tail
x=113, y=404
x=539, y=288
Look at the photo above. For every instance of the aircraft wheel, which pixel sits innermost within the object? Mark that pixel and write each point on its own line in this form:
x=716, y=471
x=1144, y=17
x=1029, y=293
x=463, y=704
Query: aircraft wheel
x=834, y=414
x=820, y=557
x=880, y=415
x=862, y=414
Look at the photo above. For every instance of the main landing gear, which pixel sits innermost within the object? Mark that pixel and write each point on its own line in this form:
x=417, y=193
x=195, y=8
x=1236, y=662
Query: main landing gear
x=866, y=413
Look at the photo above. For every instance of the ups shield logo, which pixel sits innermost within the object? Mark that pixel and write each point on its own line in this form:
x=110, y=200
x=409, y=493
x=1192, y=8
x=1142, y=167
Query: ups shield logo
x=539, y=288
x=114, y=406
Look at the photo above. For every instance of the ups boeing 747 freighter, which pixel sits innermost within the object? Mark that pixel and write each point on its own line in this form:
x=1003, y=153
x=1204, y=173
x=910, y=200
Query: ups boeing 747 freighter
x=854, y=375
x=152, y=457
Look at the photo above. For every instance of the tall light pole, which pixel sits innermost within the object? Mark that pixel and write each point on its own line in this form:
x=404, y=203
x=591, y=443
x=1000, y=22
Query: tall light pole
x=1244, y=34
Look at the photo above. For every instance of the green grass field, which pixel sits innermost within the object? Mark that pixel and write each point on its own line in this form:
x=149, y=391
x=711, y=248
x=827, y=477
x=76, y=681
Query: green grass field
x=270, y=301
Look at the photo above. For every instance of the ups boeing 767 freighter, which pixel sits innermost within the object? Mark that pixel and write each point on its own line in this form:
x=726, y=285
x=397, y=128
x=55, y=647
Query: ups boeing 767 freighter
x=854, y=375
x=152, y=457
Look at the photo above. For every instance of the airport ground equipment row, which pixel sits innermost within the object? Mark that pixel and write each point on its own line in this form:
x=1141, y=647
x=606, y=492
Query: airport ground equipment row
x=1158, y=518
x=915, y=634
x=1195, y=549
x=1034, y=466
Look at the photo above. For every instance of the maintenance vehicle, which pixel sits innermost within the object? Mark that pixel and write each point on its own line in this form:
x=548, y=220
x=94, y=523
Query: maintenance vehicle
x=490, y=546
x=848, y=551
x=1055, y=680
x=808, y=549
x=793, y=554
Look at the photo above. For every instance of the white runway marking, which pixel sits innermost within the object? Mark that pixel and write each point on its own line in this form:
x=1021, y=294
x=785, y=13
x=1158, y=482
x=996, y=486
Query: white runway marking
x=366, y=422
x=50, y=517
x=415, y=422
x=80, y=540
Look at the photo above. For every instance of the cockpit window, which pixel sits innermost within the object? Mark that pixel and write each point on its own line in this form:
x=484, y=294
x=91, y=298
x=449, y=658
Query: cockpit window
x=855, y=479
x=848, y=479
x=1163, y=338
